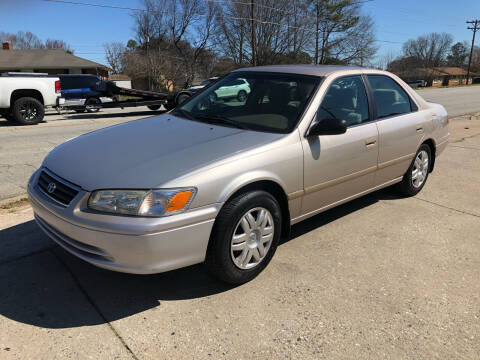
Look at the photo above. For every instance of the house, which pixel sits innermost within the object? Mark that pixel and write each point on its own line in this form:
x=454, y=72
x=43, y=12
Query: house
x=437, y=76
x=121, y=80
x=47, y=61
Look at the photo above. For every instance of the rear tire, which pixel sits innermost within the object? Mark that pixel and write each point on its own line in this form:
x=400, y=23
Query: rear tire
x=238, y=252
x=417, y=174
x=28, y=111
x=154, y=107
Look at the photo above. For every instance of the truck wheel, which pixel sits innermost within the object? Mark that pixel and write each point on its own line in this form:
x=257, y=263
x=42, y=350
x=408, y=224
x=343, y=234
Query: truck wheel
x=28, y=111
x=92, y=101
x=154, y=107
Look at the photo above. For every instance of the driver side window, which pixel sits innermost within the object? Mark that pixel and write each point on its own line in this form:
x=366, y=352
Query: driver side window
x=346, y=99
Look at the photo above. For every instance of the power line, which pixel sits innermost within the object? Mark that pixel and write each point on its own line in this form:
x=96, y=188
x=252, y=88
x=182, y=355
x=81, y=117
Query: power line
x=95, y=5
x=475, y=27
x=251, y=19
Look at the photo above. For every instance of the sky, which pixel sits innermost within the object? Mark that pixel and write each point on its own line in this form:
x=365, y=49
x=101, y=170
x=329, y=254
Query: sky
x=87, y=28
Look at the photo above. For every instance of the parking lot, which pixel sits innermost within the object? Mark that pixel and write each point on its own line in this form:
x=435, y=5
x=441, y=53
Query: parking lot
x=380, y=277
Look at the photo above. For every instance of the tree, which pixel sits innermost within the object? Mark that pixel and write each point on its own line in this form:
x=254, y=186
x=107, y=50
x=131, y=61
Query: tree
x=174, y=31
x=131, y=44
x=458, y=55
x=430, y=50
x=58, y=44
x=114, y=53
x=342, y=34
x=27, y=41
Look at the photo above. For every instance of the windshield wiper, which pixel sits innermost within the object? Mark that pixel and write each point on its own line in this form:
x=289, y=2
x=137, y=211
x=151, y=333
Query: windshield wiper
x=184, y=113
x=217, y=119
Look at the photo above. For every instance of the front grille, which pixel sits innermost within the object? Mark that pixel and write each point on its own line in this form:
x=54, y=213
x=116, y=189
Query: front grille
x=57, y=189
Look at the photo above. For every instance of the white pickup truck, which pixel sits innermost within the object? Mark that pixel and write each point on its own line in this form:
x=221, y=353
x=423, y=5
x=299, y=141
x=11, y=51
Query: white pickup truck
x=24, y=96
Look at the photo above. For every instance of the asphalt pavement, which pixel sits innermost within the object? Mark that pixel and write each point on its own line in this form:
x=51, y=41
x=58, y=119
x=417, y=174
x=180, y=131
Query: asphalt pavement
x=457, y=100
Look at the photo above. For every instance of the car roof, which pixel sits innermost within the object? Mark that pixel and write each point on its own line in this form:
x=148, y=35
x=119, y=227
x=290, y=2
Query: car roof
x=316, y=70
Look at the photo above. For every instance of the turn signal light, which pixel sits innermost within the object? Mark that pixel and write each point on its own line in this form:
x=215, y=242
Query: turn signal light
x=178, y=201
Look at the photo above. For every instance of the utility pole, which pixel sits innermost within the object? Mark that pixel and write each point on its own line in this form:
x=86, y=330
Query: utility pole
x=254, y=40
x=475, y=27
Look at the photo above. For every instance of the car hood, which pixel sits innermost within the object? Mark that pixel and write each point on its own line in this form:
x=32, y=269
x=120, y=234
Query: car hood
x=147, y=153
x=195, y=88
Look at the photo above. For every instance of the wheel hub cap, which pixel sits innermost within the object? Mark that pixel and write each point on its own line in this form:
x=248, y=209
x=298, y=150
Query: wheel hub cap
x=252, y=238
x=420, y=169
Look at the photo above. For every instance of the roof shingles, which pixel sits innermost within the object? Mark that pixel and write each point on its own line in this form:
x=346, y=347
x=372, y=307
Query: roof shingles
x=43, y=59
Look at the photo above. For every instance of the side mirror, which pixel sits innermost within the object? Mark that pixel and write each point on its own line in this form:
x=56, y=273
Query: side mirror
x=328, y=126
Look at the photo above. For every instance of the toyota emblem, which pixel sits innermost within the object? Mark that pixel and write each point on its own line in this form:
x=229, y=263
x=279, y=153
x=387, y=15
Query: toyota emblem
x=51, y=187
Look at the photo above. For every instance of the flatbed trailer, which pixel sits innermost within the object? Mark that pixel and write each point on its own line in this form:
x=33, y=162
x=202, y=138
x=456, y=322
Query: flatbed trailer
x=152, y=99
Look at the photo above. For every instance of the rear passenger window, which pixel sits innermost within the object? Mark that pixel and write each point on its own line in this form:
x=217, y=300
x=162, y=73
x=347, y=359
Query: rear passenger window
x=346, y=99
x=390, y=98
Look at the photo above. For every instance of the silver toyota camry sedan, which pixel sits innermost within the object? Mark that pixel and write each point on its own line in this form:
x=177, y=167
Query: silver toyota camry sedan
x=220, y=180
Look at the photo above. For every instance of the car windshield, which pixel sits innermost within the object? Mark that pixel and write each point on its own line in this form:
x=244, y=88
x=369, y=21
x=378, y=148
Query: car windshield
x=270, y=102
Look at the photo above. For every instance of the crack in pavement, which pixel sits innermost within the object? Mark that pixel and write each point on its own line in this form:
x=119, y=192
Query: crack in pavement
x=464, y=147
x=447, y=207
x=94, y=305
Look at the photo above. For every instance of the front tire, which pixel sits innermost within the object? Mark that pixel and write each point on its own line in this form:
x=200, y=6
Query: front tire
x=416, y=176
x=242, y=96
x=245, y=237
x=28, y=111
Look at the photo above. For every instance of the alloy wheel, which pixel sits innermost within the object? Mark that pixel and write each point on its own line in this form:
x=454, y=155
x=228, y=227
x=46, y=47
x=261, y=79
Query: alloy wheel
x=28, y=111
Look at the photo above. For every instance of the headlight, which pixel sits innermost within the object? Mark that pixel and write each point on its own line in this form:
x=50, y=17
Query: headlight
x=142, y=202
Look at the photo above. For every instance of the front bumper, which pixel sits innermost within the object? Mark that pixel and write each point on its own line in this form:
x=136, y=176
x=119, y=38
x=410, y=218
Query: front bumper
x=127, y=244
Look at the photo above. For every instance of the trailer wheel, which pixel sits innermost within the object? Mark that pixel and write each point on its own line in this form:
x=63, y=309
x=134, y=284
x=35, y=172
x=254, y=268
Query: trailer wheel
x=154, y=107
x=28, y=111
x=181, y=98
x=169, y=106
x=92, y=101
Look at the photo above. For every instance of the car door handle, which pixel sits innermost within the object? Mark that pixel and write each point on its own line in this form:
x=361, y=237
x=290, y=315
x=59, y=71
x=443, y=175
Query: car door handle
x=370, y=142
x=419, y=128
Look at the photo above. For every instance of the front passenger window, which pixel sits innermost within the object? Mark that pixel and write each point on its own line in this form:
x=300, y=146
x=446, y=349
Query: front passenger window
x=346, y=99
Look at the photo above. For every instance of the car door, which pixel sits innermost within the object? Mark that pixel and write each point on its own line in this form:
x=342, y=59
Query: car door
x=401, y=127
x=226, y=90
x=338, y=167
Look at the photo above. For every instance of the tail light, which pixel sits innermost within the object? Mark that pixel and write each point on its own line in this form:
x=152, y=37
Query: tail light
x=58, y=87
x=448, y=120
